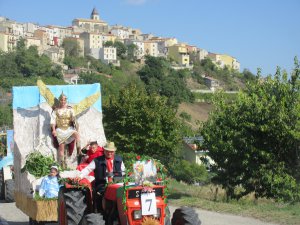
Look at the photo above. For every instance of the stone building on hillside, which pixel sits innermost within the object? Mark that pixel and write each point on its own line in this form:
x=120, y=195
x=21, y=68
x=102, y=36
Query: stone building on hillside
x=94, y=24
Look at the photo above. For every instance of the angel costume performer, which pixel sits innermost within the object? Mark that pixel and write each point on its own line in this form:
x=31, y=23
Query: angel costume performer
x=63, y=119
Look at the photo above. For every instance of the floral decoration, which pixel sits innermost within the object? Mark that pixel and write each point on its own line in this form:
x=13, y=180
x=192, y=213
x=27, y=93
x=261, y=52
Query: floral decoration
x=129, y=160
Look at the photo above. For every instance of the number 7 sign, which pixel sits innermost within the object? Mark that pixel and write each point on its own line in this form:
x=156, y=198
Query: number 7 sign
x=148, y=202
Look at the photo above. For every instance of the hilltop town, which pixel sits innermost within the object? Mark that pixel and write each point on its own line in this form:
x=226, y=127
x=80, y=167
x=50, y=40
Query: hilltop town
x=91, y=35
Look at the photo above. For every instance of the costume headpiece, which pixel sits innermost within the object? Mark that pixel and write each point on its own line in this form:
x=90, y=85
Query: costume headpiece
x=62, y=95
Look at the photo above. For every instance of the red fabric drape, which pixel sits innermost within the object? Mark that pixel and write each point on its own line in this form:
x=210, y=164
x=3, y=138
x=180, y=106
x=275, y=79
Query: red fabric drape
x=109, y=164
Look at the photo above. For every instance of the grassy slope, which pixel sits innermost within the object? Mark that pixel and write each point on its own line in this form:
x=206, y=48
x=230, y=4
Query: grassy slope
x=205, y=197
x=199, y=111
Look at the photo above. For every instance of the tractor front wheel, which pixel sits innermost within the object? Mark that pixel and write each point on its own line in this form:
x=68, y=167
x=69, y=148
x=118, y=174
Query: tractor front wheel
x=93, y=219
x=185, y=216
x=71, y=206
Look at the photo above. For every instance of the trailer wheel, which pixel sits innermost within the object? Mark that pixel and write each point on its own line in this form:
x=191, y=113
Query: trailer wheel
x=34, y=222
x=9, y=190
x=185, y=216
x=71, y=206
x=2, y=185
x=93, y=219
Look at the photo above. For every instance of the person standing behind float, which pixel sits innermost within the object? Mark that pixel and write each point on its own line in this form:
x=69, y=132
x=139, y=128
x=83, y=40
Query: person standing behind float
x=62, y=124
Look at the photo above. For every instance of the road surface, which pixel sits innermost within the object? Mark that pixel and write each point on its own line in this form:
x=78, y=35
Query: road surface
x=10, y=215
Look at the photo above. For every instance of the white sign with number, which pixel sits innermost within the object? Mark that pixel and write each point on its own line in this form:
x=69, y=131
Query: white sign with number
x=148, y=201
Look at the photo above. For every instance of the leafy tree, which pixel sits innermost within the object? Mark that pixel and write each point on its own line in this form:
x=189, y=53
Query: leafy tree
x=109, y=44
x=161, y=79
x=175, y=89
x=142, y=124
x=97, y=65
x=155, y=67
x=23, y=62
x=131, y=50
x=248, y=75
x=71, y=47
x=6, y=118
x=121, y=49
x=109, y=86
x=188, y=172
x=73, y=62
x=255, y=140
x=8, y=65
x=229, y=79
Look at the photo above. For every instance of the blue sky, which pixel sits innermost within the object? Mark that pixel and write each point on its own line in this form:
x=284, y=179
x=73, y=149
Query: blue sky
x=259, y=33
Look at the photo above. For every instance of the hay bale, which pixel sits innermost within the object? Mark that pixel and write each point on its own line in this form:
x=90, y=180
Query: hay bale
x=43, y=210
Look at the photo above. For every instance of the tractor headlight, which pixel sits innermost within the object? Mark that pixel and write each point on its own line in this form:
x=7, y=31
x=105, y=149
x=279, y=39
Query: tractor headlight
x=158, y=213
x=137, y=214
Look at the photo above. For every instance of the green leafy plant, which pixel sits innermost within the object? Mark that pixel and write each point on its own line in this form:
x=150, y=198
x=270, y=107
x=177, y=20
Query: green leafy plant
x=37, y=164
x=2, y=145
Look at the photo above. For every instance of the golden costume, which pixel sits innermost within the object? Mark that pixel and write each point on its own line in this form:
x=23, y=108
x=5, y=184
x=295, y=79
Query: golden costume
x=64, y=119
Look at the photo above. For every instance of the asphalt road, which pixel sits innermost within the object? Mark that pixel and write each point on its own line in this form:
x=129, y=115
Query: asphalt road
x=11, y=215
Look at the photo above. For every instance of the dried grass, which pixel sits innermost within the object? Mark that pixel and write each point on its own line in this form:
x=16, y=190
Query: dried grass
x=37, y=210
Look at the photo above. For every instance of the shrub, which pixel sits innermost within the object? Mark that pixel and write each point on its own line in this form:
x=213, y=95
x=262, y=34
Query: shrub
x=189, y=172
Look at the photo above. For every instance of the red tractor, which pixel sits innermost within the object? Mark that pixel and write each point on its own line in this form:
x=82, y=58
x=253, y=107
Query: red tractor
x=120, y=203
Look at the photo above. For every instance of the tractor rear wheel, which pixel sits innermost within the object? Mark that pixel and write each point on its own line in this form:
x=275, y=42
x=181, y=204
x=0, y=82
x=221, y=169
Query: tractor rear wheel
x=71, y=206
x=9, y=190
x=93, y=219
x=185, y=216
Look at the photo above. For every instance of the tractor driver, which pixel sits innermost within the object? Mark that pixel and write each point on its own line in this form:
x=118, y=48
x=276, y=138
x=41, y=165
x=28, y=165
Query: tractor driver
x=105, y=167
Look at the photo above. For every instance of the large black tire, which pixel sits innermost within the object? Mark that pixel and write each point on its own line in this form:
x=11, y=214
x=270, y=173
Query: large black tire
x=34, y=222
x=93, y=219
x=2, y=185
x=71, y=206
x=9, y=190
x=185, y=216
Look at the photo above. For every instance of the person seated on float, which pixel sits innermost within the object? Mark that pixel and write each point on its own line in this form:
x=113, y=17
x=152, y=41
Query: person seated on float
x=63, y=128
x=49, y=187
x=93, y=150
